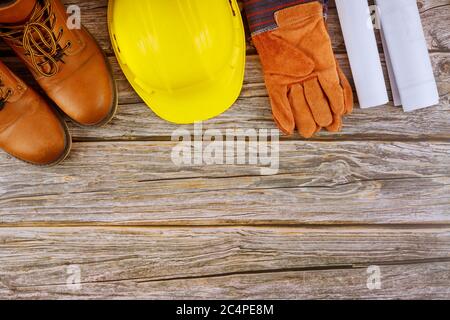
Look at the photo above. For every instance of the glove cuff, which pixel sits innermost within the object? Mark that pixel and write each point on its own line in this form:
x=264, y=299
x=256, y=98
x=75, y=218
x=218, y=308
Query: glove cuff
x=261, y=13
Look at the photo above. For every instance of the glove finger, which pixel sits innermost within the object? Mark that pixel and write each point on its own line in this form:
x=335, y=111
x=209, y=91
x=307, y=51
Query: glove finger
x=304, y=120
x=281, y=109
x=318, y=103
x=334, y=92
x=348, y=91
x=336, y=126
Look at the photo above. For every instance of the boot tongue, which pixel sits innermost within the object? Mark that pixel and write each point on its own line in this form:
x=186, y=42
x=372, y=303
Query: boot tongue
x=17, y=12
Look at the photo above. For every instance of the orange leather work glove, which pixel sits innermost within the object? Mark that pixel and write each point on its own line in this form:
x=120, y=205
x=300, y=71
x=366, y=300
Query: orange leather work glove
x=306, y=87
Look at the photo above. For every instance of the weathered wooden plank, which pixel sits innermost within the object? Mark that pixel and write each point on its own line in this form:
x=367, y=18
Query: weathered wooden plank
x=318, y=182
x=236, y=263
x=358, y=184
x=434, y=17
x=252, y=110
x=135, y=121
x=411, y=282
x=254, y=82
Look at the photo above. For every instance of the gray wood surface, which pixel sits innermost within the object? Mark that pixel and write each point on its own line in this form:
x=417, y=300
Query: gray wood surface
x=355, y=182
x=237, y=262
x=137, y=226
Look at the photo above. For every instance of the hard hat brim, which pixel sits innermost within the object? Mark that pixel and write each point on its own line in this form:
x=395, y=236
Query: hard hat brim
x=199, y=102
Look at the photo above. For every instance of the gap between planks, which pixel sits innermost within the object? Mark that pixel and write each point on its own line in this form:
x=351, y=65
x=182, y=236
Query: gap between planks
x=426, y=227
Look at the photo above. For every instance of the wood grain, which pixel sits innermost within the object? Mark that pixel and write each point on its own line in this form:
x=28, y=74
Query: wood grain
x=135, y=121
x=412, y=282
x=434, y=15
x=236, y=263
x=318, y=182
x=138, y=226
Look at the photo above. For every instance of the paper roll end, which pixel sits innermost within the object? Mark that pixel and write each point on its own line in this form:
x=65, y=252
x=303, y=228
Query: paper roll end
x=420, y=97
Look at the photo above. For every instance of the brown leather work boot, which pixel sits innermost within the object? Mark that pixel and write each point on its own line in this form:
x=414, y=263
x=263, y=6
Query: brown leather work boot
x=29, y=129
x=68, y=64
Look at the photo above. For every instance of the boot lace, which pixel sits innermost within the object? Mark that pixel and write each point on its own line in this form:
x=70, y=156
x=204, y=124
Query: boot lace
x=39, y=39
x=5, y=94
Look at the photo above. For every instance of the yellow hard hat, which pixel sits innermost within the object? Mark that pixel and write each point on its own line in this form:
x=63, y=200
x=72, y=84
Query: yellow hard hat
x=185, y=58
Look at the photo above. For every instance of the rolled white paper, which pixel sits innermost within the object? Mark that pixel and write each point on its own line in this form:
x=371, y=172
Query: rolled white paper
x=405, y=40
x=363, y=54
x=393, y=81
